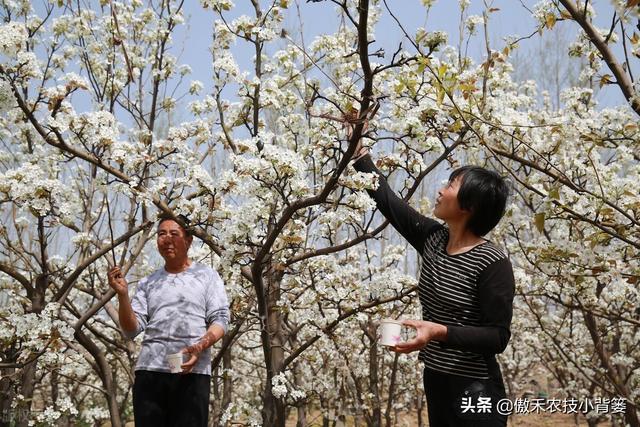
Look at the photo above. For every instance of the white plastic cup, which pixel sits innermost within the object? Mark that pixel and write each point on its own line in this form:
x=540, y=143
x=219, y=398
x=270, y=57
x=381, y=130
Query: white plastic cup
x=175, y=362
x=390, y=332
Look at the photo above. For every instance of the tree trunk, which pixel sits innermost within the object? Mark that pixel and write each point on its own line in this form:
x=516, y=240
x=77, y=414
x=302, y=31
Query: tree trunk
x=302, y=417
x=106, y=375
x=420, y=404
x=215, y=407
x=27, y=387
x=28, y=376
x=630, y=415
x=6, y=392
x=375, y=419
x=273, y=409
x=302, y=410
x=227, y=383
x=392, y=391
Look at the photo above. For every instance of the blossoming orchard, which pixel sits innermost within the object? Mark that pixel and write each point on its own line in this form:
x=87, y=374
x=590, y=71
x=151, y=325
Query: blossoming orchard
x=102, y=129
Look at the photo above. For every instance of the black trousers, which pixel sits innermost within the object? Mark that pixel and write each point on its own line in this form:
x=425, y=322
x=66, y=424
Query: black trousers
x=446, y=405
x=170, y=400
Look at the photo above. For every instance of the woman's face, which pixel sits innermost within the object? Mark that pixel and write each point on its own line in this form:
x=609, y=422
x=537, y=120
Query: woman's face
x=447, y=207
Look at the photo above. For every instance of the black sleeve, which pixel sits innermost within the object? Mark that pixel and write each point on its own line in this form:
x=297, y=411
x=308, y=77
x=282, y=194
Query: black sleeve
x=496, y=288
x=410, y=223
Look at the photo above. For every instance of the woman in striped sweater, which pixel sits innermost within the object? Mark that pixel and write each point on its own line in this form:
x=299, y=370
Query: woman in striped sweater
x=466, y=290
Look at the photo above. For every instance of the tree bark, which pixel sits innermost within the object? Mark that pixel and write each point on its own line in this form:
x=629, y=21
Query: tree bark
x=273, y=410
x=105, y=373
x=227, y=383
x=392, y=391
x=27, y=387
x=375, y=418
x=630, y=415
x=37, y=297
x=6, y=395
x=622, y=78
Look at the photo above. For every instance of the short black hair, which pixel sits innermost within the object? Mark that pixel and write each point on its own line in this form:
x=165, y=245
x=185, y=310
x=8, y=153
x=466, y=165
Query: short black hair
x=181, y=219
x=484, y=193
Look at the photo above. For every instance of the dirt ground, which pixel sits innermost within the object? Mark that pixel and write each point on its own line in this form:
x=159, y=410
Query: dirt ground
x=521, y=420
x=540, y=420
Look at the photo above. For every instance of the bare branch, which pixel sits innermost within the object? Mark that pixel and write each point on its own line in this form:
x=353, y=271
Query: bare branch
x=6, y=268
x=622, y=78
x=331, y=326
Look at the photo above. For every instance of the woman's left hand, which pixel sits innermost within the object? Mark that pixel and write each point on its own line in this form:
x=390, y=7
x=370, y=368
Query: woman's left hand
x=425, y=332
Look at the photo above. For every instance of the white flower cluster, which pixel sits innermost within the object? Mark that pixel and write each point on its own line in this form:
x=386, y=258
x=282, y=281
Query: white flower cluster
x=222, y=37
x=542, y=9
x=360, y=181
x=34, y=330
x=98, y=129
x=625, y=10
x=31, y=187
x=360, y=201
x=335, y=49
x=75, y=81
x=217, y=5
x=24, y=65
x=13, y=37
x=195, y=87
x=473, y=22
x=226, y=68
x=7, y=100
x=81, y=239
x=240, y=409
x=95, y=413
x=281, y=387
x=275, y=164
x=432, y=40
x=50, y=415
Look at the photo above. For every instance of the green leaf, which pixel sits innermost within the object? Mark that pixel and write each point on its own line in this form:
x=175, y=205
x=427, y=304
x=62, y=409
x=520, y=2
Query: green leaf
x=539, y=221
x=605, y=80
x=550, y=20
x=439, y=92
x=442, y=70
x=423, y=62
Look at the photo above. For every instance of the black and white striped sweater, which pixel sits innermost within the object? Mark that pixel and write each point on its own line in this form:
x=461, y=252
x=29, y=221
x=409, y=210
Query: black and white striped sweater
x=471, y=293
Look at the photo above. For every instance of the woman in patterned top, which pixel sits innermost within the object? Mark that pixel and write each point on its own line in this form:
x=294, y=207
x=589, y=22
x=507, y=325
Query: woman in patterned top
x=466, y=291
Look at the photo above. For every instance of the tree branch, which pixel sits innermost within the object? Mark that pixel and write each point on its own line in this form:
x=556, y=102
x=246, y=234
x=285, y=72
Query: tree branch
x=5, y=268
x=62, y=292
x=622, y=79
x=331, y=326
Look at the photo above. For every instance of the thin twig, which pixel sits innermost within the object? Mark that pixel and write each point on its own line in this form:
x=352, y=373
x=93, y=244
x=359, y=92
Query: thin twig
x=113, y=246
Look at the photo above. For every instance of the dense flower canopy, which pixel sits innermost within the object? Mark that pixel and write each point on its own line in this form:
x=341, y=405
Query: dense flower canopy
x=102, y=129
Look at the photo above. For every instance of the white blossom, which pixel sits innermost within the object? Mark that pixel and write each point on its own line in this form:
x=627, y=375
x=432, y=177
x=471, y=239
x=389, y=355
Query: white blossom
x=473, y=22
x=13, y=37
x=7, y=100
